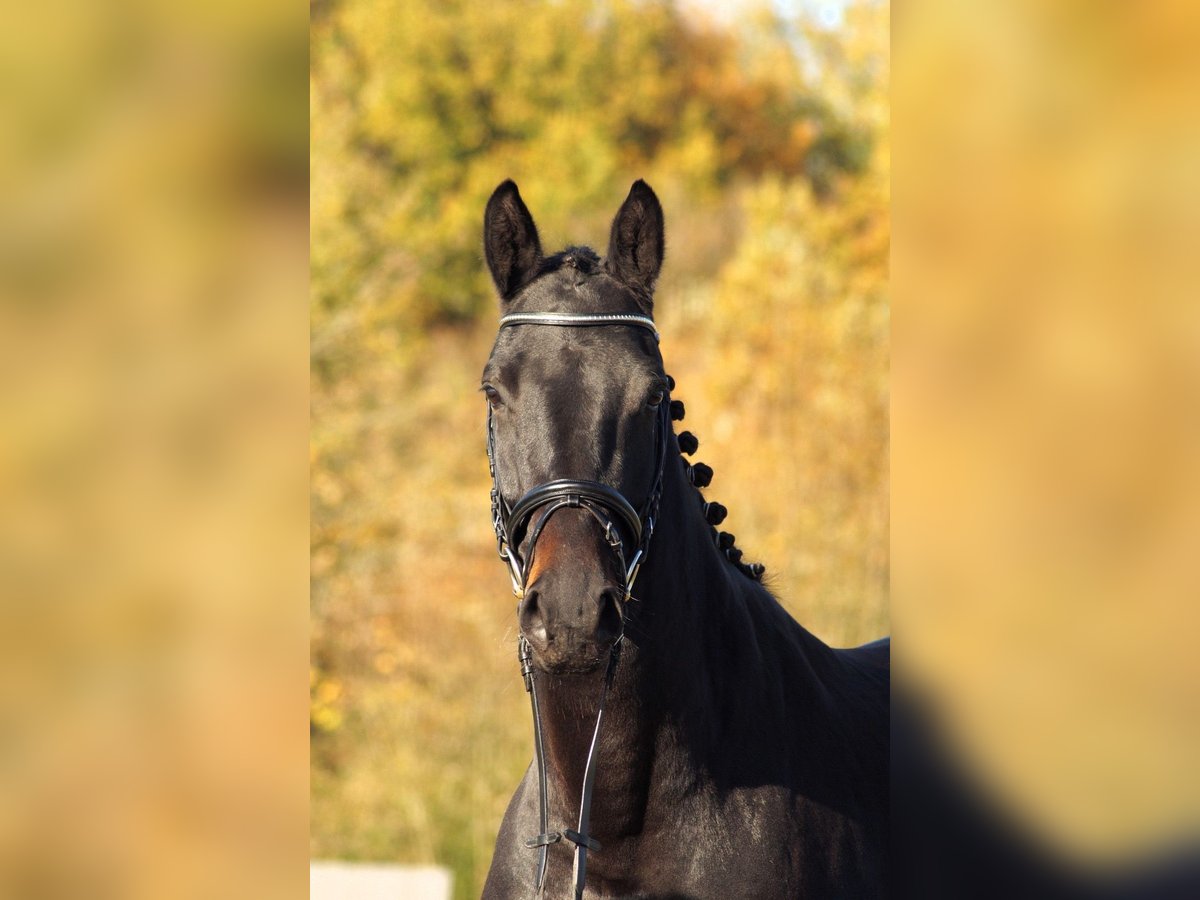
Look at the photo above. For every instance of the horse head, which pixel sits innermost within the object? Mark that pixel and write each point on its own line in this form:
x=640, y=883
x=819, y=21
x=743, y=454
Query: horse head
x=577, y=423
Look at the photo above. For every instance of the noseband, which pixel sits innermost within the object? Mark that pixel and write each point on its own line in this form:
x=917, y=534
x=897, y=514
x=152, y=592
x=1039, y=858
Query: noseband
x=523, y=522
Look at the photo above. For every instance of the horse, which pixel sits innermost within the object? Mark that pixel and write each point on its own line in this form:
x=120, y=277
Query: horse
x=691, y=739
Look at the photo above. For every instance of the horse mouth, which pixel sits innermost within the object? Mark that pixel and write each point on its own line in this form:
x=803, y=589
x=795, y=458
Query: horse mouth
x=572, y=667
x=558, y=660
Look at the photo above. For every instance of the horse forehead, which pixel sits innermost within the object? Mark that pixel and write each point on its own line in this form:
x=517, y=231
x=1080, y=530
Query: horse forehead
x=570, y=289
x=581, y=373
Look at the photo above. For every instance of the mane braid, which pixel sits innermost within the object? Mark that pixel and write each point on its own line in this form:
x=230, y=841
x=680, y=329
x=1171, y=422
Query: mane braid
x=700, y=476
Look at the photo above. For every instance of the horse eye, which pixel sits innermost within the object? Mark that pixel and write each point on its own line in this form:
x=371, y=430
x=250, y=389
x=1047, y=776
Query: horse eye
x=656, y=399
x=493, y=396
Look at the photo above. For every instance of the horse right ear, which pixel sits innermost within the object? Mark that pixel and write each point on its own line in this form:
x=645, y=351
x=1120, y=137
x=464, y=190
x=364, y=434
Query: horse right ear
x=510, y=240
x=635, y=247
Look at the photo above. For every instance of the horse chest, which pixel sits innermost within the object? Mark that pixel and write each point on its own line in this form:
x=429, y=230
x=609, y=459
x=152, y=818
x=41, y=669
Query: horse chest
x=753, y=843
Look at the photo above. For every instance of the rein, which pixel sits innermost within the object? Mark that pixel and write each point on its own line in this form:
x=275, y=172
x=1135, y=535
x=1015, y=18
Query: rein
x=516, y=524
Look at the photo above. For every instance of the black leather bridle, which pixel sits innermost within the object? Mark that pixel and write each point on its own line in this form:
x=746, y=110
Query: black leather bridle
x=522, y=523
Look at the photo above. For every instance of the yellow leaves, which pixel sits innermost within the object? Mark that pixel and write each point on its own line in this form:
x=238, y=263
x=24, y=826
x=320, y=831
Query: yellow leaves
x=419, y=106
x=326, y=718
x=323, y=561
x=327, y=488
x=325, y=692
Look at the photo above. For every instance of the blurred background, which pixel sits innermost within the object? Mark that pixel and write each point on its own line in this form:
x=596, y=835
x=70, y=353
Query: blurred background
x=157, y=694
x=764, y=131
x=153, y=437
x=1046, y=415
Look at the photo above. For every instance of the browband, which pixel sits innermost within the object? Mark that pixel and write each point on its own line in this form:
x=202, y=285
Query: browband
x=580, y=319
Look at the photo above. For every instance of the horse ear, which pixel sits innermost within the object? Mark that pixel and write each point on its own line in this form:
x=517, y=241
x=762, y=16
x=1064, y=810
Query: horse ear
x=510, y=240
x=635, y=247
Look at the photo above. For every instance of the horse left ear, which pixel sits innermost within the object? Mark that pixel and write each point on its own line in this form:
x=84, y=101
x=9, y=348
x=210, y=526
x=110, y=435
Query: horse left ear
x=636, y=245
x=510, y=240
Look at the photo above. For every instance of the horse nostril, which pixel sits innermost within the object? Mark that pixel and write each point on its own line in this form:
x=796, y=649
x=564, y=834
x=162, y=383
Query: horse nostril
x=609, y=625
x=530, y=618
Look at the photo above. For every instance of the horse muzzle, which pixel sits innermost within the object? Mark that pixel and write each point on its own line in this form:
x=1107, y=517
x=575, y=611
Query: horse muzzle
x=571, y=611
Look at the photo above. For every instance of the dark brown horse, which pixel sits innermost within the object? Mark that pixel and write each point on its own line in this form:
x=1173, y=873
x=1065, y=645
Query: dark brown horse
x=736, y=755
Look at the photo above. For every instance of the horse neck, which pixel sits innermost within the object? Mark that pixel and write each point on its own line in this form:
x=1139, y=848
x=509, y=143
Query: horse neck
x=684, y=589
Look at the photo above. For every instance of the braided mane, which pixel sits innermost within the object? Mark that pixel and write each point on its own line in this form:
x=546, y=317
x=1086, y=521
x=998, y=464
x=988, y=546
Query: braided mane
x=700, y=476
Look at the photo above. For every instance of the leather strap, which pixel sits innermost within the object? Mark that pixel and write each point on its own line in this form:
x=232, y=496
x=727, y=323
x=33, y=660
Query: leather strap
x=525, y=656
x=580, y=319
x=573, y=491
x=580, y=837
